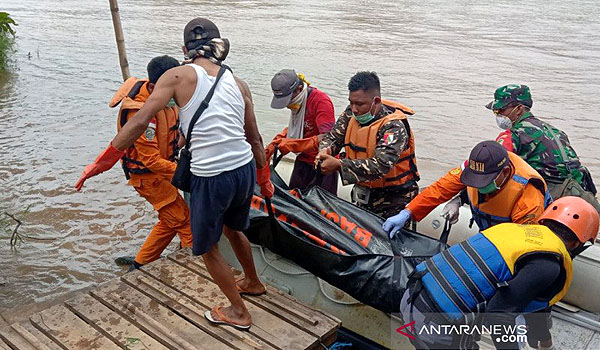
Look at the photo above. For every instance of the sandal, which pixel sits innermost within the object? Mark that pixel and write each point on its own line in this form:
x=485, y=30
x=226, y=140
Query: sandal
x=242, y=291
x=224, y=320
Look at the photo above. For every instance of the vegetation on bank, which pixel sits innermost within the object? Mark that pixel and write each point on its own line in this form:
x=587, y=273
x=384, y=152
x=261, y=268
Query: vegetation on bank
x=9, y=224
x=9, y=228
x=7, y=40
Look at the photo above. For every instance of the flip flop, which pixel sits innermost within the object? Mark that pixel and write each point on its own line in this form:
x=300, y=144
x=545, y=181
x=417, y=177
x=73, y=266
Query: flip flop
x=245, y=292
x=223, y=319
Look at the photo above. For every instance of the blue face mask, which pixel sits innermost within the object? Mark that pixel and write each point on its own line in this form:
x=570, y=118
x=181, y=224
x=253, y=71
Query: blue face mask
x=364, y=118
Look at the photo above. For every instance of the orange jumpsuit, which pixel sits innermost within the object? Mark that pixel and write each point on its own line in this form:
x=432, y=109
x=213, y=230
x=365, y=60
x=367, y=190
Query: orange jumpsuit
x=518, y=202
x=149, y=165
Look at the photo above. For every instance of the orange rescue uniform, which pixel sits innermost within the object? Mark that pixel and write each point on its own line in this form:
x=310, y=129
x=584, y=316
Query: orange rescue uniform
x=149, y=165
x=521, y=199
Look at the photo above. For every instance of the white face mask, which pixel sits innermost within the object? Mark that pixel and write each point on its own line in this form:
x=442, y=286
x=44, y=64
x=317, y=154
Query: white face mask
x=503, y=122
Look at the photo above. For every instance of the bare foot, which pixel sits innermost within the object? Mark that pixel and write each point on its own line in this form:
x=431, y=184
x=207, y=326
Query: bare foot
x=248, y=286
x=239, y=318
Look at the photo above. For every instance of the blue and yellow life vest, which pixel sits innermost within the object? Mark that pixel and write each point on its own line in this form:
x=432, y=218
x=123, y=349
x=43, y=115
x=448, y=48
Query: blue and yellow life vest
x=498, y=207
x=463, y=278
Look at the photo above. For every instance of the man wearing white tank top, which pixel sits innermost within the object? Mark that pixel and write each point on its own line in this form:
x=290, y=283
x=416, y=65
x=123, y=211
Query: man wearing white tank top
x=226, y=149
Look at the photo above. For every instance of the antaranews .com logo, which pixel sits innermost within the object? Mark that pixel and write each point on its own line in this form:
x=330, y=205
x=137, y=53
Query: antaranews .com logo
x=444, y=333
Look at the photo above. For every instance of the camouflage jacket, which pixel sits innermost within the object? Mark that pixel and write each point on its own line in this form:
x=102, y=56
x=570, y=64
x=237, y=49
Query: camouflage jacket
x=533, y=141
x=387, y=152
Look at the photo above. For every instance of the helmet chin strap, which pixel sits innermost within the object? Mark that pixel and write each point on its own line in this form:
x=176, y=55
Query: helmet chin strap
x=579, y=250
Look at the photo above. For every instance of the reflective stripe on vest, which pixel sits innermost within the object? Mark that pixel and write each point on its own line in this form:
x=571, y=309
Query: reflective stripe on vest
x=361, y=141
x=463, y=278
x=132, y=95
x=498, y=208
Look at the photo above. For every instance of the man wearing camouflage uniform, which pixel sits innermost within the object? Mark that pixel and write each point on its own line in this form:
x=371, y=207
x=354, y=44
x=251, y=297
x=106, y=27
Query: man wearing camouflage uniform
x=543, y=146
x=379, y=149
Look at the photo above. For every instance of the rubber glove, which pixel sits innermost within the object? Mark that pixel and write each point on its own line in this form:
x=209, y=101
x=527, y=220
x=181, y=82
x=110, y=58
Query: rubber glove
x=298, y=145
x=263, y=178
x=105, y=161
x=393, y=224
x=270, y=149
x=451, y=210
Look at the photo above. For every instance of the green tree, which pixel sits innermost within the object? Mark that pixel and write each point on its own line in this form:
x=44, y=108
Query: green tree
x=7, y=39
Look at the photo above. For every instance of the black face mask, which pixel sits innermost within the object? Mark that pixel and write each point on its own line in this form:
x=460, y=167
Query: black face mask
x=579, y=250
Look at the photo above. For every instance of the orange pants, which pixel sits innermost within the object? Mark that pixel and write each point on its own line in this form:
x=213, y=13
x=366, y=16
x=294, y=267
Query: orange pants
x=173, y=218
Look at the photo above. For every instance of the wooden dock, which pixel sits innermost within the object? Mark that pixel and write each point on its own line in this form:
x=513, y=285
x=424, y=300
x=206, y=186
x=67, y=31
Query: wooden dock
x=162, y=307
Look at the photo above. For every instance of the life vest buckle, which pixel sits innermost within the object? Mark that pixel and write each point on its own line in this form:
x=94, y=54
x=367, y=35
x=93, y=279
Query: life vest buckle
x=360, y=194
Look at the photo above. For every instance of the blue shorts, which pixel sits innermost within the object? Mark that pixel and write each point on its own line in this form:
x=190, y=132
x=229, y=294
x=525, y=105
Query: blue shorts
x=220, y=200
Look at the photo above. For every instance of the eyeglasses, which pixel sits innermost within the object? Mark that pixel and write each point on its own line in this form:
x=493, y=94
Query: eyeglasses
x=497, y=111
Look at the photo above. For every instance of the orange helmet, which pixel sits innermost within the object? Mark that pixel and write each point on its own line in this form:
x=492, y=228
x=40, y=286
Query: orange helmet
x=575, y=213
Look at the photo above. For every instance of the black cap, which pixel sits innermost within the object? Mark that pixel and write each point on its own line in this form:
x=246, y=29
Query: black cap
x=283, y=85
x=200, y=29
x=486, y=161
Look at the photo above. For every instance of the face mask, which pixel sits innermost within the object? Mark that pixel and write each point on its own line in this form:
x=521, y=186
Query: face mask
x=296, y=101
x=294, y=106
x=364, y=118
x=503, y=122
x=489, y=188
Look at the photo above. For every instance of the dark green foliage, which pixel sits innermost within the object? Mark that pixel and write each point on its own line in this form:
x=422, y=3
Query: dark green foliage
x=7, y=40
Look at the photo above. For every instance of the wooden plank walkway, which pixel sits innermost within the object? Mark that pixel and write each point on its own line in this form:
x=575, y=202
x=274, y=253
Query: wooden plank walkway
x=162, y=307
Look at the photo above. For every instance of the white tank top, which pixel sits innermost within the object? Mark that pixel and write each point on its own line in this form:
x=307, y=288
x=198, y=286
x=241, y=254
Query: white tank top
x=218, y=141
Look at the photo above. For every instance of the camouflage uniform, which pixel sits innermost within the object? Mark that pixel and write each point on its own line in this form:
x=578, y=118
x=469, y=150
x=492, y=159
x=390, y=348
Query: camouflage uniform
x=387, y=201
x=535, y=142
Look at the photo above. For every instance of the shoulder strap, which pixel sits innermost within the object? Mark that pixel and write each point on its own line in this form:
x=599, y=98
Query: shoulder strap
x=203, y=106
x=560, y=146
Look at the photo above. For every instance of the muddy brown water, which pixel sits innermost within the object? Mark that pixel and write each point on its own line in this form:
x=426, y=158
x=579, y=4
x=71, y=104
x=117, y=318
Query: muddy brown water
x=442, y=58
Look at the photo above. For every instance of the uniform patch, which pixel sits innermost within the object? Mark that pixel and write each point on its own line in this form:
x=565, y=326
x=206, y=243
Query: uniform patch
x=150, y=133
x=389, y=138
x=455, y=171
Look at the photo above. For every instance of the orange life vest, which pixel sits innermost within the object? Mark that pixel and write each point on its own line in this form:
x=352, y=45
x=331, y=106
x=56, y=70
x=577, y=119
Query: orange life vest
x=361, y=141
x=498, y=208
x=133, y=94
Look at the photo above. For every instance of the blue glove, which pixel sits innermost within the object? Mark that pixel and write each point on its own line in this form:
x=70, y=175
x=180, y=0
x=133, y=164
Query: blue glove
x=393, y=224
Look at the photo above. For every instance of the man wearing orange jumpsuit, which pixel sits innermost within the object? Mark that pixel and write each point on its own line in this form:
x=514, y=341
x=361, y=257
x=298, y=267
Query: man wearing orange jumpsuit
x=149, y=163
x=500, y=187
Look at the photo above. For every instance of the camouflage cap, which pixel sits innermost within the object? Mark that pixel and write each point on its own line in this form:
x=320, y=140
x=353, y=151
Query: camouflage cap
x=510, y=94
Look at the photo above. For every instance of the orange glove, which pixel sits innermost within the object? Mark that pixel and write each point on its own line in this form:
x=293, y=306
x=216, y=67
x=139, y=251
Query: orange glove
x=263, y=178
x=105, y=161
x=270, y=149
x=299, y=145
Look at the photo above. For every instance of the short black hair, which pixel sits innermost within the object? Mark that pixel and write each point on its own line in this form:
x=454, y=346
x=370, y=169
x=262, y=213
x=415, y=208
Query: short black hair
x=159, y=65
x=365, y=81
x=560, y=230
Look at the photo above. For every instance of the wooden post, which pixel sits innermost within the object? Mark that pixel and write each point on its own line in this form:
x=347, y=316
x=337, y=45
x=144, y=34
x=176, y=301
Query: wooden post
x=114, y=10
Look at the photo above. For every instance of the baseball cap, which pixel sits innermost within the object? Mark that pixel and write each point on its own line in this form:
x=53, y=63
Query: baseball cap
x=486, y=161
x=200, y=29
x=509, y=94
x=283, y=85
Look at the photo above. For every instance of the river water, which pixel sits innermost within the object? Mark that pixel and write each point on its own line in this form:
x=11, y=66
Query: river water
x=443, y=58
